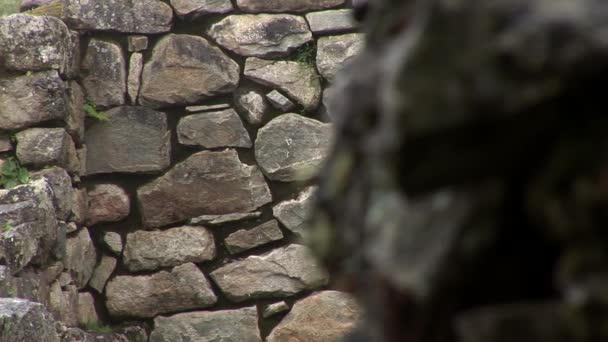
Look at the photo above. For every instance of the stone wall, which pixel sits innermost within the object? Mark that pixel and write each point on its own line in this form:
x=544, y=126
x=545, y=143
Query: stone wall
x=172, y=149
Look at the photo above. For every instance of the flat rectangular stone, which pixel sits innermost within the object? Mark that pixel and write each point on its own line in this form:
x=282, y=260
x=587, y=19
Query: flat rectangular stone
x=207, y=108
x=213, y=220
x=279, y=101
x=243, y=239
x=137, y=43
x=332, y=21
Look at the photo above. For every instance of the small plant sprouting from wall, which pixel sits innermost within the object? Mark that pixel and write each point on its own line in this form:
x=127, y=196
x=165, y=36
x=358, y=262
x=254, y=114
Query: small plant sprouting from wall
x=305, y=54
x=97, y=327
x=92, y=112
x=12, y=174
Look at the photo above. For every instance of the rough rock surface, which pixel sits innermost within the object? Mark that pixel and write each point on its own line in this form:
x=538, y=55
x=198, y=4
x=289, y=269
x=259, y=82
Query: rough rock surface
x=298, y=80
x=209, y=326
x=280, y=273
x=333, y=21
x=261, y=35
x=245, y=239
x=136, y=66
x=274, y=309
x=5, y=142
x=184, y=288
x=22, y=320
x=214, y=220
x=63, y=303
x=134, y=16
x=150, y=250
x=102, y=273
x=29, y=100
x=207, y=108
x=107, y=203
x=189, y=189
x=295, y=213
x=137, y=43
x=292, y=147
x=113, y=242
x=79, y=206
x=86, y=309
x=76, y=116
x=58, y=148
x=213, y=129
x=80, y=257
x=134, y=139
x=61, y=184
x=186, y=69
x=255, y=6
x=29, y=210
x=334, y=53
x=197, y=8
x=325, y=316
x=251, y=104
x=34, y=43
x=279, y=101
x=104, y=74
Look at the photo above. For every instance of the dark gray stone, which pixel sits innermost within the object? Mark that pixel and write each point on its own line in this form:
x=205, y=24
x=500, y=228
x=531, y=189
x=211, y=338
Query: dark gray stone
x=279, y=101
x=214, y=220
x=104, y=74
x=246, y=239
x=80, y=257
x=61, y=183
x=189, y=189
x=22, y=320
x=295, y=213
x=213, y=129
x=134, y=139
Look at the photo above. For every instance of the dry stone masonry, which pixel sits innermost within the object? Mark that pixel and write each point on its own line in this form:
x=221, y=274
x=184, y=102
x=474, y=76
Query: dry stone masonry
x=172, y=149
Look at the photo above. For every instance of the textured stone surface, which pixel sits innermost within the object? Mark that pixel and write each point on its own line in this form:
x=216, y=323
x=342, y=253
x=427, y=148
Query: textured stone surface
x=134, y=16
x=280, y=273
x=298, y=80
x=293, y=214
x=334, y=53
x=102, y=273
x=261, y=35
x=137, y=43
x=79, y=206
x=107, y=203
x=86, y=309
x=136, y=66
x=214, y=220
x=213, y=129
x=61, y=184
x=63, y=303
x=275, y=309
x=29, y=210
x=189, y=189
x=80, y=257
x=58, y=148
x=5, y=143
x=245, y=239
x=209, y=326
x=326, y=316
x=104, y=73
x=113, y=242
x=292, y=147
x=29, y=100
x=186, y=69
x=150, y=250
x=279, y=101
x=251, y=104
x=184, y=288
x=333, y=21
x=207, y=108
x=197, y=8
x=134, y=139
x=256, y=6
x=22, y=320
x=34, y=43
x=76, y=115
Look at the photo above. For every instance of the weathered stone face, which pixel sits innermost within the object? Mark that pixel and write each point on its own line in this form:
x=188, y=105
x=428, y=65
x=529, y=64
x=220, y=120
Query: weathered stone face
x=214, y=220
x=29, y=210
x=104, y=74
x=135, y=16
x=5, y=142
x=136, y=66
x=243, y=239
x=155, y=249
x=134, y=139
x=63, y=303
x=190, y=189
x=86, y=309
x=274, y=309
x=184, y=288
x=22, y=320
x=335, y=53
x=334, y=21
x=298, y=80
x=113, y=242
x=326, y=316
x=107, y=203
x=279, y=101
x=251, y=104
x=29, y=100
x=102, y=273
x=61, y=183
x=34, y=43
x=76, y=115
x=294, y=214
x=80, y=257
x=197, y=8
x=209, y=326
x=213, y=129
x=280, y=273
x=256, y=6
x=262, y=35
x=292, y=147
x=58, y=148
x=185, y=69
x=137, y=43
